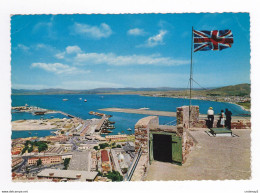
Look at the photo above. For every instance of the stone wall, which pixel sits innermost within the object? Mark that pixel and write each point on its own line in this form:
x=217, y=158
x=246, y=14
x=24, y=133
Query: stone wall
x=235, y=124
x=187, y=141
x=182, y=116
x=142, y=132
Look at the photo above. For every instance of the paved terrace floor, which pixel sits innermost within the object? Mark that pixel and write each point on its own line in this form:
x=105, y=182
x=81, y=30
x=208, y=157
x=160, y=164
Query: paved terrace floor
x=213, y=158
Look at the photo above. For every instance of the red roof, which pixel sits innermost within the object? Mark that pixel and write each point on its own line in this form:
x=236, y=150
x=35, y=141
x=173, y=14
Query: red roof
x=104, y=156
x=16, y=152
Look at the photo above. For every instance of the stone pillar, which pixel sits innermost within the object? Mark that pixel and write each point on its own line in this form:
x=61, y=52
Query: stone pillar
x=182, y=116
x=142, y=132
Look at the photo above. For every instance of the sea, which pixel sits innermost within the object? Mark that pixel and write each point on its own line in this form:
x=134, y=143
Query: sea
x=123, y=121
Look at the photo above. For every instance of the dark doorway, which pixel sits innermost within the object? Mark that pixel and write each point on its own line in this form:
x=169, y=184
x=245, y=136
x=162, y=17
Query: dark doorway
x=162, y=147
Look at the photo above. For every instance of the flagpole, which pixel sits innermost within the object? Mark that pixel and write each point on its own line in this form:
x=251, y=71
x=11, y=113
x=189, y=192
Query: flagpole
x=191, y=76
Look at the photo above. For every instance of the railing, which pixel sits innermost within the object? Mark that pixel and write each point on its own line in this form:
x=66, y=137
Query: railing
x=133, y=166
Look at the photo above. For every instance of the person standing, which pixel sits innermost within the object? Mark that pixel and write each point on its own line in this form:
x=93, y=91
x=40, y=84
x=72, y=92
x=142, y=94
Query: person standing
x=222, y=119
x=210, y=117
x=228, y=118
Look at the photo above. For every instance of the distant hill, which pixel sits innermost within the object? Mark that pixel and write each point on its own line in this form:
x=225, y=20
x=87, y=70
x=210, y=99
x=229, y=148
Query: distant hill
x=235, y=90
x=90, y=91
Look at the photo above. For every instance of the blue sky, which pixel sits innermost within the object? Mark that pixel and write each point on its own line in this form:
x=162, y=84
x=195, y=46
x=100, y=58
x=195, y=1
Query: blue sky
x=127, y=50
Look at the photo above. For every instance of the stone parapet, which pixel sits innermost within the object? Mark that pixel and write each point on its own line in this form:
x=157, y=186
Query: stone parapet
x=142, y=128
x=182, y=116
x=236, y=124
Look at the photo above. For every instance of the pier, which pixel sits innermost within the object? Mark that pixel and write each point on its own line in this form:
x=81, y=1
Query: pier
x=68, y=115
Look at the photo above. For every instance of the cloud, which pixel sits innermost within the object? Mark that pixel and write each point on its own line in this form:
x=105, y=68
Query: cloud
x=155, y=40
x=46, y=27
x=58, y=68
x=96, y=32
x=115, y=60
x=73, y=49
x=68, y=50
x=23, y=47
x=60, y=55
x=136, y=32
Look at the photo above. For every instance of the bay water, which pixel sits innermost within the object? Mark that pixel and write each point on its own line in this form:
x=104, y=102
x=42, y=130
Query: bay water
x=123, y=121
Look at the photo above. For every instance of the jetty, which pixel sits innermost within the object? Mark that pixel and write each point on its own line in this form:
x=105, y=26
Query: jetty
x=160, y=113
x=141, y=111
x=68, y=115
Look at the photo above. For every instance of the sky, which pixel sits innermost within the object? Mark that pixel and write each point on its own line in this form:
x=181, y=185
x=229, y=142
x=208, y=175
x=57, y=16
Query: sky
x=125, y=50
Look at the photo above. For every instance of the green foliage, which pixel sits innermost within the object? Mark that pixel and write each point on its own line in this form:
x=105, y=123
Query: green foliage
x=114, y=176
x=39, y=162
x=30, y=149
x=62, y=132
x=103, y=145
x=27, y=143
x=66, y=163
x=246, y=105
x=42, y=146
x=100, y=173
x=96, y=148
x=118, y=146
x=24, y=149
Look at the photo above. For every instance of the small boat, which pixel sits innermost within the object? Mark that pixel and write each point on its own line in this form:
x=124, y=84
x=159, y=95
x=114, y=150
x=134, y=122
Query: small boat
x=85, y=100
x=80, y=98
x=144, y=108
x=65, y=99
x=129, y=129
x=29, y=133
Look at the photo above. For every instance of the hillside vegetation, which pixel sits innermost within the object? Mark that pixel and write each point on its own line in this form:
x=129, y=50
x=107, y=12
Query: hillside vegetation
x=235, y=90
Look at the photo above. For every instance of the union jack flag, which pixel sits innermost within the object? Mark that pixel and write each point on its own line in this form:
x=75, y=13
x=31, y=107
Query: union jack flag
x=212, y=40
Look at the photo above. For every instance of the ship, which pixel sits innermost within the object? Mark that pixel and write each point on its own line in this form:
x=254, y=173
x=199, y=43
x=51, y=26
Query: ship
x=39, y=112
x=65, y=99
x=85, y=100
x=144, y=108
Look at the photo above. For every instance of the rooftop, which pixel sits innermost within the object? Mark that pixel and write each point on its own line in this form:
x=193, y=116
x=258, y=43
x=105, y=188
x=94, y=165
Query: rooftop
x=71, y=174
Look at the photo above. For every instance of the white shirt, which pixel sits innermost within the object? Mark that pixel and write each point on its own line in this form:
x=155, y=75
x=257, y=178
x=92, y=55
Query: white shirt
x=210, y=112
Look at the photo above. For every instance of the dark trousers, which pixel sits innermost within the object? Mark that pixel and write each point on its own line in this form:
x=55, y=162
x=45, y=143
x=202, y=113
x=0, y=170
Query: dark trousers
x=210, y=121
x=228, y=123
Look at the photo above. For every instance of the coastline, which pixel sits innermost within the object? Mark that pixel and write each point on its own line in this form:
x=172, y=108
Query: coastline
x=243, y=108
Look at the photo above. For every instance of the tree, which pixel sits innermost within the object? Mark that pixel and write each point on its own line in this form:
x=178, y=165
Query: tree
x=24, y=149
x=42, y=146
x=118, y=146
x=39, y=162
x=62, y=132
x=30, y=149
x=114, y=176
x=103, y=145
x=96, y=148
x=66, y=163
x=100, y=173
